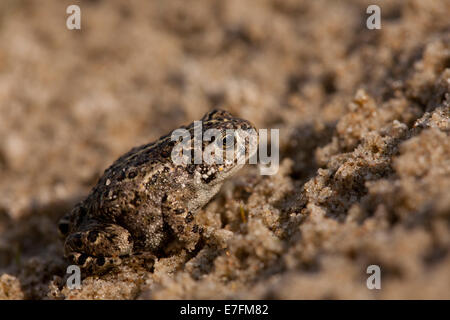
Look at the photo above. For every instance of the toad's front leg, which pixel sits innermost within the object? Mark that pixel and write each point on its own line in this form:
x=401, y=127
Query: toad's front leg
x=181, y=221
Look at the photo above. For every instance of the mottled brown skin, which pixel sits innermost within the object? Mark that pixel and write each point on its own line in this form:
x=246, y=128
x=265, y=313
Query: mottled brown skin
x=144, y=201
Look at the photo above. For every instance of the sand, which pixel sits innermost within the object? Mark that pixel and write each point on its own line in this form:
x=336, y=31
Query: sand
x=363, y=115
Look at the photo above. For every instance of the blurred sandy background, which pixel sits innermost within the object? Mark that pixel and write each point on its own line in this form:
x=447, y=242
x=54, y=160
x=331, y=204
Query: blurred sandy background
x=364, y=134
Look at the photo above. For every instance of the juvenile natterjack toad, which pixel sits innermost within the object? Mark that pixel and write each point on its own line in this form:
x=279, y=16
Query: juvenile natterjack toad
x=144, y=201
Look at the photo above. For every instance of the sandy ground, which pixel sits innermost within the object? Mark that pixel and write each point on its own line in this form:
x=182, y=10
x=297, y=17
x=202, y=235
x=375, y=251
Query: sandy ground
x=364, y=141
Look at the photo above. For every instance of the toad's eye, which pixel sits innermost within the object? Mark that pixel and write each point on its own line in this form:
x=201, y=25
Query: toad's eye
x=228, y=141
